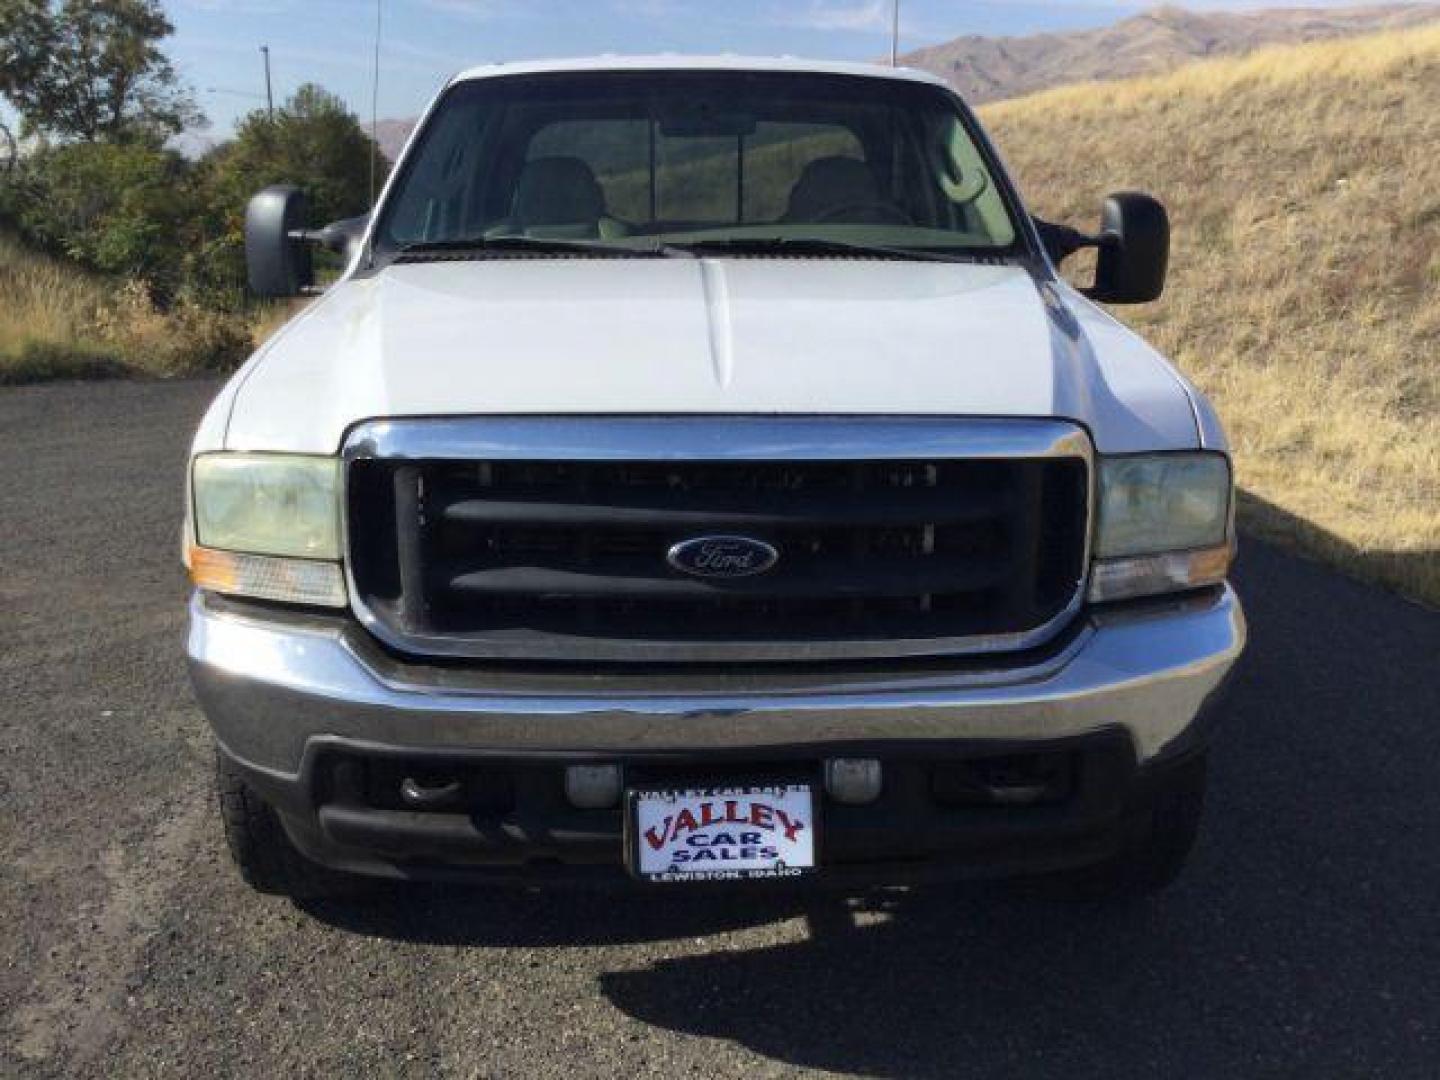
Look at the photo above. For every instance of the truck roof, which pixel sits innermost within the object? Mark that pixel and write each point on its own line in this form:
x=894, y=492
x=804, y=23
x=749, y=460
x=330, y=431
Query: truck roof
x=683, y=62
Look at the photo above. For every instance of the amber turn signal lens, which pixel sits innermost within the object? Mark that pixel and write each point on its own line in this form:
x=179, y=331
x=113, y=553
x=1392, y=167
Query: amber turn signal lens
x=1151, y=575
x=294, y=581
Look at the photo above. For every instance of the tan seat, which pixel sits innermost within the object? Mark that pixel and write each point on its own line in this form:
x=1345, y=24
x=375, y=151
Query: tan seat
x=830, y=185
x=559, y=198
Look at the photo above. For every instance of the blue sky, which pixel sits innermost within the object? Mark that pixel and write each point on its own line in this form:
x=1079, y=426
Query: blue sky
x=217, y=42
x=330, y=41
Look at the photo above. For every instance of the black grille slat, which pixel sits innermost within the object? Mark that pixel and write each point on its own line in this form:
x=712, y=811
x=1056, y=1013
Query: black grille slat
x=1026, y=541
x=690, y=510
x=566, y=560
x=637, y=578
x=410, y=544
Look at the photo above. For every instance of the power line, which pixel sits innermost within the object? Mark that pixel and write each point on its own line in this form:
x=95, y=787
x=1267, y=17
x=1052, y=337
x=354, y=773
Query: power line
x=237, y=93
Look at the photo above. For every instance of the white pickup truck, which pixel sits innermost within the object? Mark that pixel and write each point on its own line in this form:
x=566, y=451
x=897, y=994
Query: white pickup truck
x=700, y=473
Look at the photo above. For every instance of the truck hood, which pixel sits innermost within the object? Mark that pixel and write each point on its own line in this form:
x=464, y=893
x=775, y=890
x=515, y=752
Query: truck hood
x=716, y=336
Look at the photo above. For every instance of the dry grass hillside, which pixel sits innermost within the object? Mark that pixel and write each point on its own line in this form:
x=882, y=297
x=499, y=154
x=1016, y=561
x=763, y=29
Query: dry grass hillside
x=1304, y=184
x=1160, y=40
x=58, y=321
x=49, y=307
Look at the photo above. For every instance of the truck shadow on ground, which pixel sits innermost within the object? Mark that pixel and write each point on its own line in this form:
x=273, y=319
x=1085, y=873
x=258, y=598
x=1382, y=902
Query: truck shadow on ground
x=1411, y=572
x=1303, y=940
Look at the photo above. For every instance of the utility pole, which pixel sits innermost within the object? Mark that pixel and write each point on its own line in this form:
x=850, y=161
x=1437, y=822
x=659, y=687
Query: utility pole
x=895, y=36
x=269, y=90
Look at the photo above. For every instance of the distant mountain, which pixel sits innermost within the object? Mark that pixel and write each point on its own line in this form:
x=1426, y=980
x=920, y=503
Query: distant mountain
x=392, y=135
x=991, y=68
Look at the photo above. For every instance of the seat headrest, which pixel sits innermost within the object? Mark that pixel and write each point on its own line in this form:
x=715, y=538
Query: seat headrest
x=829, y=183
x=557, y=191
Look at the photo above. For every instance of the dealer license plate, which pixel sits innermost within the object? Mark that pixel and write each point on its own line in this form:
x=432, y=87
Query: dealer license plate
x=722, y=833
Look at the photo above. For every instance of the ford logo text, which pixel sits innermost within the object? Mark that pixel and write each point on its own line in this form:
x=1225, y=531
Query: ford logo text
x=722, y=557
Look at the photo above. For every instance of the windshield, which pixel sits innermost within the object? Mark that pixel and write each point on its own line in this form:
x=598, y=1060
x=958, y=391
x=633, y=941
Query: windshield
x=638, y=160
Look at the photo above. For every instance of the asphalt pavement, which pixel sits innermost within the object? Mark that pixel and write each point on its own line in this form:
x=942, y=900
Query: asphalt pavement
x=1303, y=940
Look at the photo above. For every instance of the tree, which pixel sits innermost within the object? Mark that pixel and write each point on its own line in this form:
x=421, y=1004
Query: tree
x=314, y=141
x=92, y=70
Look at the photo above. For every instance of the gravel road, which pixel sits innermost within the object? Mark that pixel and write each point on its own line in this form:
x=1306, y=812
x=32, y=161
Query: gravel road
x=1304, y=940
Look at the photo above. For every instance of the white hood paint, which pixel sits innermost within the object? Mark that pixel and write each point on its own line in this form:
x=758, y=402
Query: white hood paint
x=718, y=336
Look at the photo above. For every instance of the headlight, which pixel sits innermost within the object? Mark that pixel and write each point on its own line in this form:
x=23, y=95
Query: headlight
x=268, y=526
x=268, y=504
x=1164, y=524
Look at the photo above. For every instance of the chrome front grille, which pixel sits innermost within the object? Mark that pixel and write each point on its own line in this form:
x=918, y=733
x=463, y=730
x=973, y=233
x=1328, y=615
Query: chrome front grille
x=497, y=539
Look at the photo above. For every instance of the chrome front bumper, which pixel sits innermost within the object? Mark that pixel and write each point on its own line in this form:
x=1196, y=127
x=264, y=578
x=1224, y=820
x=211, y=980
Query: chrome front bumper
x=274, y=685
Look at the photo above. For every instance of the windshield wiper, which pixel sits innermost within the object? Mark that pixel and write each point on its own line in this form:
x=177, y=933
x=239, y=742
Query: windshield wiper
x=481, y=245
x=805, y=245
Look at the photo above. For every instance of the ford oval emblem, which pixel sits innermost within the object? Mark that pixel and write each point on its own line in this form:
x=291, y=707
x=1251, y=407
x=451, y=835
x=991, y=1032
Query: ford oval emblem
x=722, y=557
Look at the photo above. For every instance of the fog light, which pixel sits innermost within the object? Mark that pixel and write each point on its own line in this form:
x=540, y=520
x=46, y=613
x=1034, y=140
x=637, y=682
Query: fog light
x=853, y=781
x=592, y=787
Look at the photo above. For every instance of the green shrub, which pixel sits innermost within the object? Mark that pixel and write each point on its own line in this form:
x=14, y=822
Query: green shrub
x=124, y=209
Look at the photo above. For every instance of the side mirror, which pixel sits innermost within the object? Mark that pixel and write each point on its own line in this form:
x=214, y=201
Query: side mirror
x=277, y=257
x=1134, y=246
x=1134, y=250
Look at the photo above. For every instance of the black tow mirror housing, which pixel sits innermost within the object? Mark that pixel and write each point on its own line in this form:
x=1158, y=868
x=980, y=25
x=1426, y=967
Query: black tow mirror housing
x=277, y=257
x=1134, y=248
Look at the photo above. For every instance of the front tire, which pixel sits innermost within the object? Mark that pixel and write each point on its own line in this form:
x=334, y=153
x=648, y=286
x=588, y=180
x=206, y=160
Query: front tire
x=261, y=851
